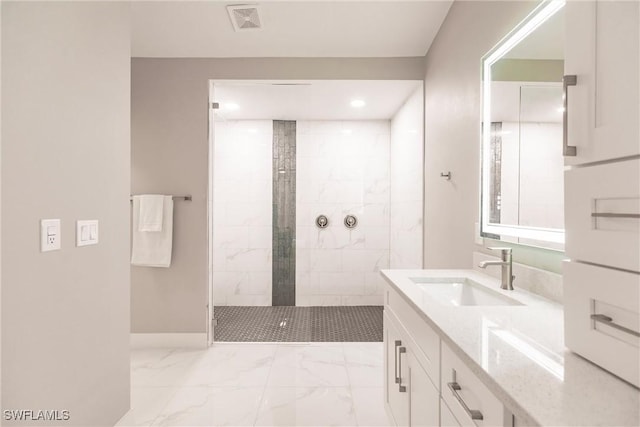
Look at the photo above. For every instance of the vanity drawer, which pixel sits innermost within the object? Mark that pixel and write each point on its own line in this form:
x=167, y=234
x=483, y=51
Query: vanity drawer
x=446, y=416
x=426, y=339
x=602, y=214
x=460, y=387
x=602, y=320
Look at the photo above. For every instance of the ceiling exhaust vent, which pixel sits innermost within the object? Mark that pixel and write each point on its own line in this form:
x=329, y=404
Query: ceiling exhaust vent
x=245, y=17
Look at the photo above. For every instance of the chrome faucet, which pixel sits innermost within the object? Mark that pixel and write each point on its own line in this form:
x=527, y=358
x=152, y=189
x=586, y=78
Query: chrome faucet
x=507, y=276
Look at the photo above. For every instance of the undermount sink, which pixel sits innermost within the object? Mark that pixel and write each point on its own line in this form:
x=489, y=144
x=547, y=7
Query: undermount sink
x=461, y=291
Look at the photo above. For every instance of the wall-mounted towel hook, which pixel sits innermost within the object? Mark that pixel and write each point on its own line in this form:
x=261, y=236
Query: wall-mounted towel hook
x=446, y=175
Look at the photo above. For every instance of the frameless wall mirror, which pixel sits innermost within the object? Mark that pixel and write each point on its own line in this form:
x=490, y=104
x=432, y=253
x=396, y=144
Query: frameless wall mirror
x=522, y=162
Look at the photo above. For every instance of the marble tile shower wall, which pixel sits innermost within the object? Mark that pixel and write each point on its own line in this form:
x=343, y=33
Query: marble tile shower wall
x=242, y=219
x=407, y=184
x=342, y=168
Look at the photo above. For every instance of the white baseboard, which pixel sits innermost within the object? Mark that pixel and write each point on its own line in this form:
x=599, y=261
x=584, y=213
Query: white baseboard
x=170, y=340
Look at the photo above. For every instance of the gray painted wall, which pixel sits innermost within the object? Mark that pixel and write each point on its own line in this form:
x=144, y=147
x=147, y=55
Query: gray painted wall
x=65, y=154
x=169, y=155
x=452, y=125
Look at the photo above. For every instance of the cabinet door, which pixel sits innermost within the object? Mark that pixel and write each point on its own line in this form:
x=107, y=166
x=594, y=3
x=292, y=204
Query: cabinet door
x=423, y=395
x=396, y=377
x=602, y=49
x=448, y=420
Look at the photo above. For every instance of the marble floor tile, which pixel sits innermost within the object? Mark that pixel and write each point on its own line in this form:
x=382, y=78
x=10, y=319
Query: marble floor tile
x=146, y=405
x=369, y=406
x=309, y=366
x=364, y=363
x=169, y=370
x=232, y=365
x=146, y=357
x=212, y=406
x=284, y=384
x=306, y=406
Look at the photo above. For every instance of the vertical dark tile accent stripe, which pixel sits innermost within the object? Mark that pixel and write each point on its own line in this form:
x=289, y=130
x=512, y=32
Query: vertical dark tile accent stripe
x=284, y=213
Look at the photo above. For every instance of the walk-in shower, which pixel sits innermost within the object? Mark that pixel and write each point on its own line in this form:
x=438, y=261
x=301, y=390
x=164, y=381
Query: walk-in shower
x=316, y=187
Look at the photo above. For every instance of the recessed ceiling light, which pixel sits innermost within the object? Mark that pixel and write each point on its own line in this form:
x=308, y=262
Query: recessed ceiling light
x=231, y=106
x=358, y=103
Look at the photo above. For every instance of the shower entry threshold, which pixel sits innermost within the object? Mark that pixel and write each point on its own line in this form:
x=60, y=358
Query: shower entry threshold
x=298, y=324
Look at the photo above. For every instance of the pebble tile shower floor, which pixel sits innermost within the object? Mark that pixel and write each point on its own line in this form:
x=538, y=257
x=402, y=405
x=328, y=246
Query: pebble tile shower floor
x=298, y=324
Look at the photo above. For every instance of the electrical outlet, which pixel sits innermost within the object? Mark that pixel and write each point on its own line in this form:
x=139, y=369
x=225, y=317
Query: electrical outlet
x=49, y=235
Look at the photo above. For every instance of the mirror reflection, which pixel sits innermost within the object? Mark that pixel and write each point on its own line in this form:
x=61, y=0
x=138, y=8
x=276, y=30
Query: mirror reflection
x=522, y=138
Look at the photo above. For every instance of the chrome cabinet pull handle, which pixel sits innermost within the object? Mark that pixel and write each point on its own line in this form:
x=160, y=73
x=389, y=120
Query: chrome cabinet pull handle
x=473, y=413
x=609, y=322
x=395, y=361
x=401, y=388
x=614, y=215
x=567, y=150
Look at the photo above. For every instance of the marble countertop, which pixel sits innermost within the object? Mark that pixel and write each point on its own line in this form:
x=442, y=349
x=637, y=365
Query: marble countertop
x=518, y=352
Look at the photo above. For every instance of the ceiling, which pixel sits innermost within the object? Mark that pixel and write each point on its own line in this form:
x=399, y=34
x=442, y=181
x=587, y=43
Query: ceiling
x=201, y=29
x=311, y=100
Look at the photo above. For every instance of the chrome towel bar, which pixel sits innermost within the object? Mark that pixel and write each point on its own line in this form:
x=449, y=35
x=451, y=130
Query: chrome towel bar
x=186, y=198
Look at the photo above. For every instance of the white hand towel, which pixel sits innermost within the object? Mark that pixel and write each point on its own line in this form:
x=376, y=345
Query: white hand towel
x=150, y=212
x=152, y=248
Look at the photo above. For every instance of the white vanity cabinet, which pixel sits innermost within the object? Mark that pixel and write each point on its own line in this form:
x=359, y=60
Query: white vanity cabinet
x=411, y=397
x=602, y=200
x=421, y=388
x=424, y=399
x=602, y=49
x=468, y=399
x=396, y=398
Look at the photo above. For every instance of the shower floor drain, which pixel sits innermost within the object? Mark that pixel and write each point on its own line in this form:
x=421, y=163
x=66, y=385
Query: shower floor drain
x=298, y=324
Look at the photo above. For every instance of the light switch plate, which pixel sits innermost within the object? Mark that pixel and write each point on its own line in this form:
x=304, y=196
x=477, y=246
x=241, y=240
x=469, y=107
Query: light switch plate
x=49, y=235
x=86, y=232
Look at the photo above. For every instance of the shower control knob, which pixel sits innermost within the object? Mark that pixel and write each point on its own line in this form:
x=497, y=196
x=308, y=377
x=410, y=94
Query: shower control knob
x=350, y=221
x=322, y=221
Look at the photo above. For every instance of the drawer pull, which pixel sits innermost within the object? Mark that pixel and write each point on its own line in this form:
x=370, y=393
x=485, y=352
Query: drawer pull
x=567, y=150
x=609, y=322
x=473, y=413
x=401, y=388
x=614, y=215
x=398, y=343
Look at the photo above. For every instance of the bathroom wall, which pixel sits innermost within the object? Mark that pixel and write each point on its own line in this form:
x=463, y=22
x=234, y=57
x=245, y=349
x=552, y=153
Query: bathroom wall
x=452, y=132
x=169, y=154
x=0, y=204
x=407, y=171
x=342, y=168
x=242, y=216
x=65, y=154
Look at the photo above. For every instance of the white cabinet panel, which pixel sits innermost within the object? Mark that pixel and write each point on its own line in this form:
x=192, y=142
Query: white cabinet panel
x=460, y=388
x=608, y=189
x=427, y=341
x=596, y=300
x=396, y=401
x=446, y=417
x=602, y=48
x=423, y=395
